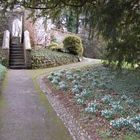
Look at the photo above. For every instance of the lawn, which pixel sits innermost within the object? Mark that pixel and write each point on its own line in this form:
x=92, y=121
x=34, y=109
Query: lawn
x=105, y=96
x=45, y=58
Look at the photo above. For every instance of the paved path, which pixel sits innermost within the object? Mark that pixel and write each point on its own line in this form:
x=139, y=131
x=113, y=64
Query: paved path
x=26, y=114
x=87, y=61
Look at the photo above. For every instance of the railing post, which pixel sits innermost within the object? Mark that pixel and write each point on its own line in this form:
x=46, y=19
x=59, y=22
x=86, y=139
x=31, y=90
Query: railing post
x=27, y=49
x=6, y=46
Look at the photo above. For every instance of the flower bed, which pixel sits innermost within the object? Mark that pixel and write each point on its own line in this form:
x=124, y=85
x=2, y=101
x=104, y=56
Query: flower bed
x=104, y=93
x=45, y=58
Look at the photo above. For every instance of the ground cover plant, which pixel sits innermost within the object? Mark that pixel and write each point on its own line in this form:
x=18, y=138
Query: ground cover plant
x=45, y=58
x=2, y=71
x=3, y=58
x=106, y=94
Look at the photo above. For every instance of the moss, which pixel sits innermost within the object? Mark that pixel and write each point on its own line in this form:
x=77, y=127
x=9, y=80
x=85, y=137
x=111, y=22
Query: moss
x=3, y=85
x=55, y=122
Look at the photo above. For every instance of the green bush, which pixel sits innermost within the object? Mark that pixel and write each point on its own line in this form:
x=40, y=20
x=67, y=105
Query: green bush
x=45, y=58
x=2, y=71
x=74, y=45
x=55, y=47
x=3, y=58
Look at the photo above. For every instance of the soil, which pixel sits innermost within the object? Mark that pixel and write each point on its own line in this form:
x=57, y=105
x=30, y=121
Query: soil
x=87, y=124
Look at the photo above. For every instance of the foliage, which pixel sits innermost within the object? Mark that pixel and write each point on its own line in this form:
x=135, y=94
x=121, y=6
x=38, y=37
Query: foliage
x=108, y=114
x=63, y=85
x=106, y=99
x=2, y=72
x=80, y=101
x=117, y=21
x=3, y=25
x=92, y=107
x=74, y=45
x=72, y=16
x=3, y=58
x=121, y=32
x=105, y=93
x=55, y=47
x=45, y=58
x=133, y=122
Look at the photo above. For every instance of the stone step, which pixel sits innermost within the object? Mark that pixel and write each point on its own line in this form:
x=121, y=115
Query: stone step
x=18, y=67
x=15, y=51
x=16, y=57
x=15, y=44
x=12, y=49
x=16, y=47
x=17, y=60
x=15, y=40
x=17, y=64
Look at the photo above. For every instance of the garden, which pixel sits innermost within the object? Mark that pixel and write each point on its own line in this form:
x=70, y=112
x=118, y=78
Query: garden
x=56, y=55
x=104, y=97
x=46, y=58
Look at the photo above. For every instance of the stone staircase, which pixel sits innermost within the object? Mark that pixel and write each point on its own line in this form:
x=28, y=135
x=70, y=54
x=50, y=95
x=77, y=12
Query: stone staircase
x=17, y=50
x=16, y=58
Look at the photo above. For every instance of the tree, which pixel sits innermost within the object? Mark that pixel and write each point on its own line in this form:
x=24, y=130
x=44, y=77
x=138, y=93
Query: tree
x=3, y=26
x=118, y=21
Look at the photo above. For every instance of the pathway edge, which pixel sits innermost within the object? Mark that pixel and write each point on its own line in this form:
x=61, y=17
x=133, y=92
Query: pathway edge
x=74, y=128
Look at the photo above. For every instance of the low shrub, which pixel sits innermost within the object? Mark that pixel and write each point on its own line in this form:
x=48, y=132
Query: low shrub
x=2, y=72
x=3, y=58
x=55, y=47
x=74, y=45
x=45, y=58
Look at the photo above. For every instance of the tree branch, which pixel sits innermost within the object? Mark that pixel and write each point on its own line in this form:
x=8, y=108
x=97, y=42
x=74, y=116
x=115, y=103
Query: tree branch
x=82, y=3
x=41, y=8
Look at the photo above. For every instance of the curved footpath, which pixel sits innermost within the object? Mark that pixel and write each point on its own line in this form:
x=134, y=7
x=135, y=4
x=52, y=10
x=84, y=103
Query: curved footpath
x=25, y=113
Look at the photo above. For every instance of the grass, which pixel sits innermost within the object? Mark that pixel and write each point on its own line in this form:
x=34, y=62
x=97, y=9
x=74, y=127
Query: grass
x=2, y=85
x=2, y=72
x=45, y=58
x=53, y=120
x=113, y=96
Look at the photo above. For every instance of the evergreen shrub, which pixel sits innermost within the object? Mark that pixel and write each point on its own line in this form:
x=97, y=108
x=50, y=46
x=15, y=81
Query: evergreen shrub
x=55, y=47
x=73, y=44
